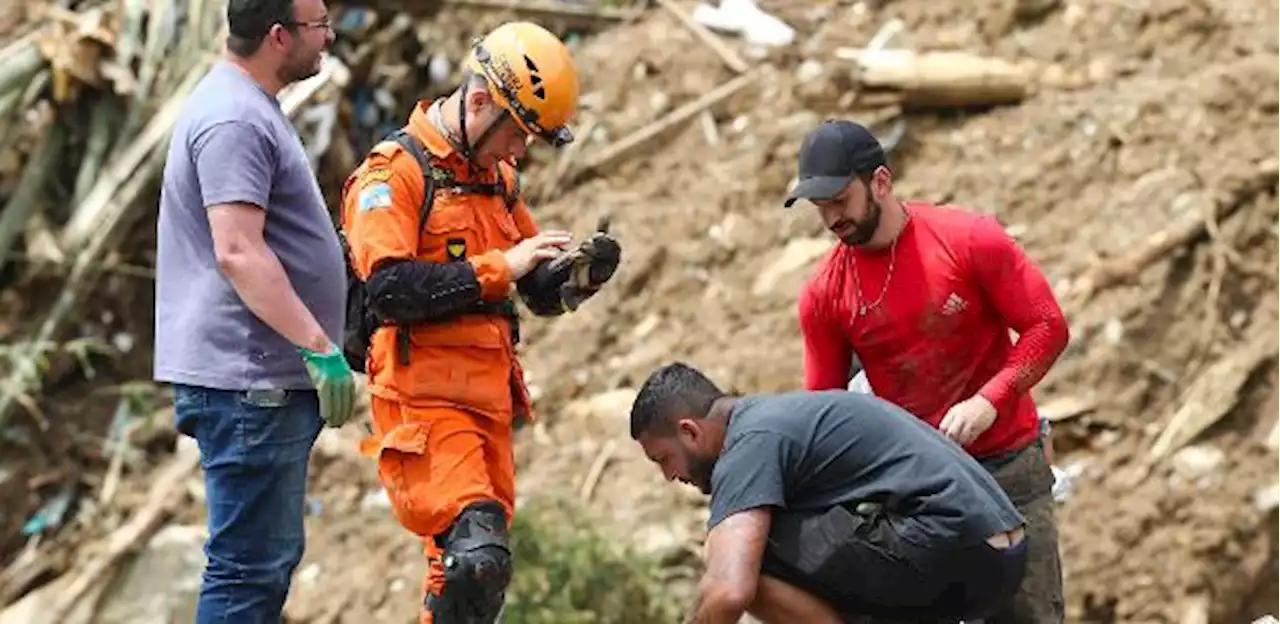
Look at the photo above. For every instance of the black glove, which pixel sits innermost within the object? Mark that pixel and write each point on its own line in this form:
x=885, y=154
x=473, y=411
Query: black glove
x=594, y=262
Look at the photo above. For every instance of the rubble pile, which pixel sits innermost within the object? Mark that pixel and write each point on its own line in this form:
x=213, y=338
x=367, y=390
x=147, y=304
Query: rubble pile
x=1131, y=147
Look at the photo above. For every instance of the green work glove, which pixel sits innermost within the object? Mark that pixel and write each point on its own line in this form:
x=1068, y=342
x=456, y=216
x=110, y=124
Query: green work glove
x=334, y=383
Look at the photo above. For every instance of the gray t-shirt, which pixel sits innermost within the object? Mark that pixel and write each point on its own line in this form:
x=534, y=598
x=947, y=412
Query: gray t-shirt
x=810, y=451
x=233, y=143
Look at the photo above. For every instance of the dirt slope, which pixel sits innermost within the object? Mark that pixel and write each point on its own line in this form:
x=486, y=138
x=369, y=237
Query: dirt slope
x=1148, y=111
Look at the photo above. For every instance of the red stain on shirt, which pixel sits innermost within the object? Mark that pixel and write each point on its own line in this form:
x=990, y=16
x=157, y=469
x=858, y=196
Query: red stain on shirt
x=941, y=333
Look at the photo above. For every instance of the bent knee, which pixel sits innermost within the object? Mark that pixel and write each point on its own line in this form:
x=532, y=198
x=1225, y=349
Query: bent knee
x=777, y=601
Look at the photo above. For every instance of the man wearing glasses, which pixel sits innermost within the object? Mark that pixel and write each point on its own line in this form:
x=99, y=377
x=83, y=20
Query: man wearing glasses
x=439, y=239
x=250, y=304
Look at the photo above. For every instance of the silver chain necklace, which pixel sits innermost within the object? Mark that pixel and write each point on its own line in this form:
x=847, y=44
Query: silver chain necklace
x=863, y=306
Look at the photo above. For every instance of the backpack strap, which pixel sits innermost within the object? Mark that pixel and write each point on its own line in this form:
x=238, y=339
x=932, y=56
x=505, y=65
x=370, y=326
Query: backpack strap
x=411, y=145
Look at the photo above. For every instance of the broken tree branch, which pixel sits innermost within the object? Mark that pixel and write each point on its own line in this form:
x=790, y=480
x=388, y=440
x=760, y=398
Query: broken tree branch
x=708, y=38
x=614, y=152
x=1217, y=272
x=1183, y=230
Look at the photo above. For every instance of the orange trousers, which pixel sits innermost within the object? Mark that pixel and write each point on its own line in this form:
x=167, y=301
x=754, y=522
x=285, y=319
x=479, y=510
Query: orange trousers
x=433, y=462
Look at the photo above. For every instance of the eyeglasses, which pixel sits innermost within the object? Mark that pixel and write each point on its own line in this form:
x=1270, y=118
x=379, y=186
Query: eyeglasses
x=323, y=22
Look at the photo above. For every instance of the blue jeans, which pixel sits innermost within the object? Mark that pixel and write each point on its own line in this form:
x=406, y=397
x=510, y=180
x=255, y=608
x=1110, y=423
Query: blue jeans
x=254, y=448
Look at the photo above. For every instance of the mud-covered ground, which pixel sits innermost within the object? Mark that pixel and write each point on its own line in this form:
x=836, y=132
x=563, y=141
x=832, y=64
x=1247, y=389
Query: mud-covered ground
x=1146, y=117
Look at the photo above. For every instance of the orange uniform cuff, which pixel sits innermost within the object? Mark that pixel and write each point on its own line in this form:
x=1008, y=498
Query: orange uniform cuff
x=493, y=273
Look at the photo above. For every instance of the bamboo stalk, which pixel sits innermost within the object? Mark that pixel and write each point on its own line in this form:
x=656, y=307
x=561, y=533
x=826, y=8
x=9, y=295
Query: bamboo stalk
x=95, y=209
x=18, y=62
x=28, y=197
x=193, y=43
x=159, y=37
x=132, y=15
x=105, y=118
x=96, y=226
x=115, y=195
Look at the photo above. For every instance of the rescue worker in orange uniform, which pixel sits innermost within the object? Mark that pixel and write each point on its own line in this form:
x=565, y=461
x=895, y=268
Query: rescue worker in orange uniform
x=439, y=270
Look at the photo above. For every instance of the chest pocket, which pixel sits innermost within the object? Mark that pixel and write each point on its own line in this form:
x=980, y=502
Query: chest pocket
x=464, y=225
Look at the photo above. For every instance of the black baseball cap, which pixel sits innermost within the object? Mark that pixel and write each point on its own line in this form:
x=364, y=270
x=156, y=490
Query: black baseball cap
x=831, y=155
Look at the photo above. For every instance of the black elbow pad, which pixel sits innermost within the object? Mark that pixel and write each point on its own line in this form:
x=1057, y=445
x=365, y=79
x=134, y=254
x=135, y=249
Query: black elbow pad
x=412, y=291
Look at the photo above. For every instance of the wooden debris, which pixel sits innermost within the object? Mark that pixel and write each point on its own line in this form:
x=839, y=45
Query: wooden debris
x=1215, y=392
x=710, y=39
x=145, y=522
x=25, y=571
x=611, y=154
x=1068, y=407
x=96, y=210
x=548, y=186
x=886, y=33
x=943, y=79
x=74, y=45
x=540, y=9
x=597, y=470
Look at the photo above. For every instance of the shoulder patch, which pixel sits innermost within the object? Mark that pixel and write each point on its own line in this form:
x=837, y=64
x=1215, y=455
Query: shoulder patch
x=377, y=174
x=373, y=196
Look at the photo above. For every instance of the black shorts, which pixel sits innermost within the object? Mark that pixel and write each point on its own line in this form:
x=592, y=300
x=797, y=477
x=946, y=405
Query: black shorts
x=859, y=565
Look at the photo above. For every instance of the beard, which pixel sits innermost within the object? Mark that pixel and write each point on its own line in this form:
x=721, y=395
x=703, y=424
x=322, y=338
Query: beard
x=864, y=229
x=299, y=66
x=700, y=469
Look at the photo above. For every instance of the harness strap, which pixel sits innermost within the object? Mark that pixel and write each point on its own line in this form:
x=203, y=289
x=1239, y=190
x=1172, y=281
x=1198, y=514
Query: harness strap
x=433, y=177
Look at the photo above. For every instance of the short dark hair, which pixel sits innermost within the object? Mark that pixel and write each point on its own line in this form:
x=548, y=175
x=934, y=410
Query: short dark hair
x=249, y=21
x=674, y=390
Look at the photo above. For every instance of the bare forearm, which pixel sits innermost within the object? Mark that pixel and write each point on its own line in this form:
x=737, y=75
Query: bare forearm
x=714, y=607
x=260, y=280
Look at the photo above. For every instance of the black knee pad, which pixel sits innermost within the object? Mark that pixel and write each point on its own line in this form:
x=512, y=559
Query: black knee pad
x=477, y=567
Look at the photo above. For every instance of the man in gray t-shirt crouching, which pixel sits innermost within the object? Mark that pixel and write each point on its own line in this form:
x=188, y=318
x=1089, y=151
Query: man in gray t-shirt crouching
x=830, y=505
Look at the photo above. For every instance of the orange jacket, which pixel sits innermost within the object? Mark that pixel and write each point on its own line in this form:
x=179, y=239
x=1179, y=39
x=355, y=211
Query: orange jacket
x=468, y=362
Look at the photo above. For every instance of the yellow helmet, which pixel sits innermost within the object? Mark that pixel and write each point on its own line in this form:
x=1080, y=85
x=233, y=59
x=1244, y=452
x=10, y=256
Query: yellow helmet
x=531, y=75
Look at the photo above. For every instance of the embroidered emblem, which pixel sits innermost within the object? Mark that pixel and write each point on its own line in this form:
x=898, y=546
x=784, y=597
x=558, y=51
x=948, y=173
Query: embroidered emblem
x=376, y=195
x=456, y=248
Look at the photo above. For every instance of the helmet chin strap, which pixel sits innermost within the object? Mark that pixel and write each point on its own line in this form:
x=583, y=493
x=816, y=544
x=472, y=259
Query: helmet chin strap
x=468, y=149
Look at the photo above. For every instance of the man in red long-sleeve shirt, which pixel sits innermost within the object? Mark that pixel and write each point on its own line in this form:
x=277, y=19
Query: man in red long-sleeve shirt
x=926, y=296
